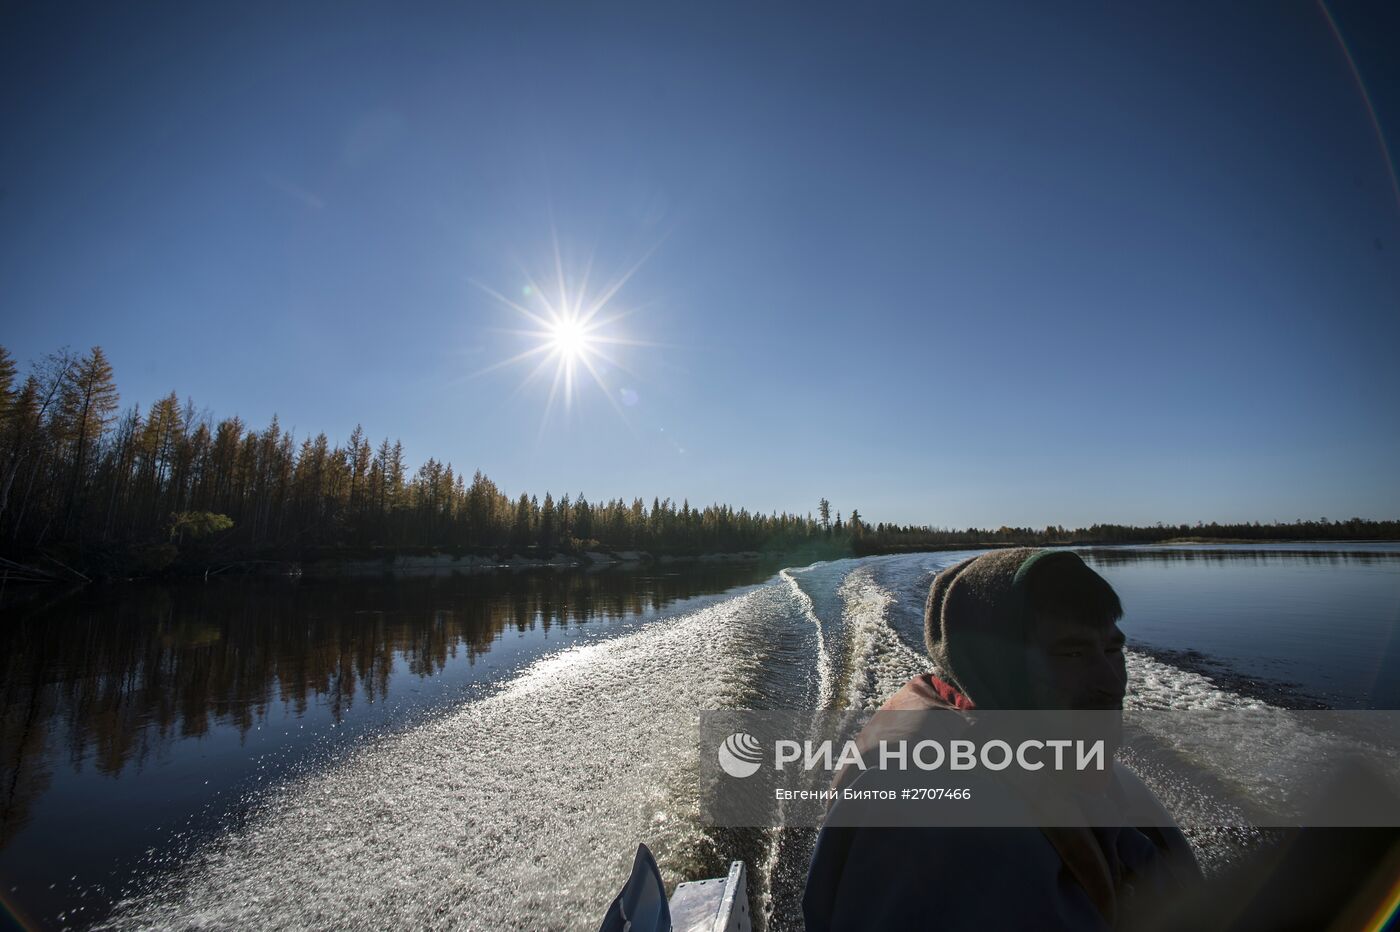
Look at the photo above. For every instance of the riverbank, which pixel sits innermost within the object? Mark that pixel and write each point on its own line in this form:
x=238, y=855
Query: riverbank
x=114, y=564
x=433, y=563
x=133, y=565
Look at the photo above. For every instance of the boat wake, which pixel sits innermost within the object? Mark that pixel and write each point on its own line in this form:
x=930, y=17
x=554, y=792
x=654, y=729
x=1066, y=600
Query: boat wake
x=522, y=809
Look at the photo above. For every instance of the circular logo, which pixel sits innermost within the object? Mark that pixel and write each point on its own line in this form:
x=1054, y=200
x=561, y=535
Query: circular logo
x=740, y=755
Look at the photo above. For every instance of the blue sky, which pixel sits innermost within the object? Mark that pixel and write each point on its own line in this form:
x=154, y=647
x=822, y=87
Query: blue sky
x=945, y=263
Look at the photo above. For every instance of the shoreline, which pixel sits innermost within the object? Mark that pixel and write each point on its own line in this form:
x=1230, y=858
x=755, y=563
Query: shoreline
x=442, y=562
x=360, y=562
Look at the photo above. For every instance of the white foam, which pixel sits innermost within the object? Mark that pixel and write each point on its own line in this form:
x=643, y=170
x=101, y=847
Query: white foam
x=521, y=810
x=824, y=667
x=878, y=660
x=1153, y=684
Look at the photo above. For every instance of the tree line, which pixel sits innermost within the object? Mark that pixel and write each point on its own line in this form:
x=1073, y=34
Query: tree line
x=892, y=538
x=81, y=479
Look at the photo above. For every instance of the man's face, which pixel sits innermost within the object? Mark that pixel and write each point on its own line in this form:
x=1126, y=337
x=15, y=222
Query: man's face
x=1076, y=663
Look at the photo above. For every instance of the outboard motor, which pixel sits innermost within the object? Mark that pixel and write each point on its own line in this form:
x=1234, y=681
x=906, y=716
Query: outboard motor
x=641, y=906
x=719, y=904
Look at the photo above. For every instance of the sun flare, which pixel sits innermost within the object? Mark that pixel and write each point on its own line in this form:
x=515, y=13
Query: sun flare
x=570, y=338
x=573, y=334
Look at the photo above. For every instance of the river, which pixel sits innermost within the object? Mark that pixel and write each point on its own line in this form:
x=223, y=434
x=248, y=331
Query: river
x=486, y=751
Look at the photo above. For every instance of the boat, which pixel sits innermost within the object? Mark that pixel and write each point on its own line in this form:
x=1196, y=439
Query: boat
x=717, y=904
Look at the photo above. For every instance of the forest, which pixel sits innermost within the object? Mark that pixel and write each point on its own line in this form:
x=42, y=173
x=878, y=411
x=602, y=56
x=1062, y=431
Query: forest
x=101, y=490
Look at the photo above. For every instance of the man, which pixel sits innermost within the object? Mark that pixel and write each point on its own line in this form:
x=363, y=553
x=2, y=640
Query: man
x=1012, y=629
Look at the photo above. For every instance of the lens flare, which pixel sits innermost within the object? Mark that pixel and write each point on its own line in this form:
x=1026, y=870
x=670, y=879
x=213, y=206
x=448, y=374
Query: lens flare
x=570, y=339
x=573, y=333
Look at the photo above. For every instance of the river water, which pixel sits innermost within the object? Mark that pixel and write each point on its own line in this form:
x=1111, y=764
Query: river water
x=487, y=751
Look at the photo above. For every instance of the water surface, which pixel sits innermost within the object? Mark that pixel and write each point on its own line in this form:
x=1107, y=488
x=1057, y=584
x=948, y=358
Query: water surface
x=446, y=752
x=1324, y=622
x=140, y=719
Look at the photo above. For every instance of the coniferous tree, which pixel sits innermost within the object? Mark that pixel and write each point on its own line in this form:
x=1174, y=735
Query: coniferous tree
x=74, y=473
x=546, y=535
x=8, y=371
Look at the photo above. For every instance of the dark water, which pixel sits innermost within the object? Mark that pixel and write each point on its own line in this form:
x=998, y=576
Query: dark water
x=1318, y=620
x=1325, y=623
x=263, y=753
x=139, y=719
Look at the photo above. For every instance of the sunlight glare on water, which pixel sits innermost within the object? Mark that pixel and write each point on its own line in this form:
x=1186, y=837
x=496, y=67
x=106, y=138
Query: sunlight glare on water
x=522, y=809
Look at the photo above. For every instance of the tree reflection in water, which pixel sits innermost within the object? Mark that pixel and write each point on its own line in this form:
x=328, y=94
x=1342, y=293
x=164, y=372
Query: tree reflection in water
x=112, y=675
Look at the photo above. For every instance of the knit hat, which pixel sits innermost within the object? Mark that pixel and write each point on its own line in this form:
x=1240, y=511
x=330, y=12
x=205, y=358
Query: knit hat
x=977, y=622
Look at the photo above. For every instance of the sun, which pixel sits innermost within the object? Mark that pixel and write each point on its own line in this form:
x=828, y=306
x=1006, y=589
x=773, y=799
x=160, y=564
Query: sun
x=574, y=337
x=570, y=338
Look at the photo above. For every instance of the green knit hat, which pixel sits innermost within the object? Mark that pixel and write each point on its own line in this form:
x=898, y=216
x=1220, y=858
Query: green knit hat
x=977, y=622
